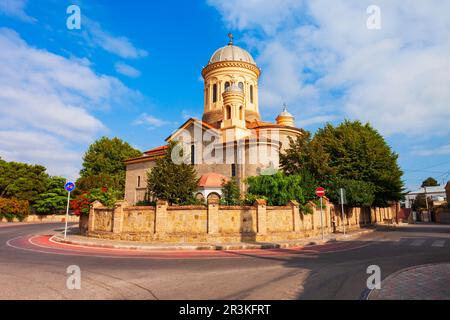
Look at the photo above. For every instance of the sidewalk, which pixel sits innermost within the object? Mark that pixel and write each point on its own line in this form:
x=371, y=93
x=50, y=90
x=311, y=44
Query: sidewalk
x=426, y=282
x=134, y=245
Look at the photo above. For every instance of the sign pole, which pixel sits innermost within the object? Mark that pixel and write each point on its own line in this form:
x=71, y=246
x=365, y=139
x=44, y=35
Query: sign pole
x=342, y=208
x=67, y=214
x=69, y=187
x=321, y=217
x=320, y=192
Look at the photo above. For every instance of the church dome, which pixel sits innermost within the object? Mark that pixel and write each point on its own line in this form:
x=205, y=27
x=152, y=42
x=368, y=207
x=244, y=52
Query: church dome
x=231, y=53
x=285, y=118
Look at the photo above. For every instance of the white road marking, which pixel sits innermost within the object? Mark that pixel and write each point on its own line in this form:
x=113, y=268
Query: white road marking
x=438, y=243
x=400, y=241
x=417, y=243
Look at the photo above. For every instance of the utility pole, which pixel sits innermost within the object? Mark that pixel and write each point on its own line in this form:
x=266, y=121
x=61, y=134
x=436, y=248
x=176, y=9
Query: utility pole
x=426, y=201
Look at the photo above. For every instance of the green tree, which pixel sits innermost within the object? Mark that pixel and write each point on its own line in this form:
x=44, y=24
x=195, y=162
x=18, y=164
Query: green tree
x=279, y=189
x=54, y=198
x=173, y=182
x=230, y=192
x=103, y=163
x=22, y=181
x=352, y=153
x=88, y=183
x=357, y=193
x=430, y=182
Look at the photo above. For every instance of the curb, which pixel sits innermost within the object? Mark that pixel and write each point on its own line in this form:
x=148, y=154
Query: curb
x=264, y=246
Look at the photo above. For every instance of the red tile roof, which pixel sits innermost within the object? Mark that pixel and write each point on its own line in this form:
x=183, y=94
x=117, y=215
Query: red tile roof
x=156, y=150
x=211, y=180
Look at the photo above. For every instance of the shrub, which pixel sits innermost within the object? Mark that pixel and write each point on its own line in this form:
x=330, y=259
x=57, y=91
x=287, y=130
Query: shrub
x=13, y=208
x=279, y=189
x=251, y=198
x=230, y=191
x=80, y=205
x=146, y=203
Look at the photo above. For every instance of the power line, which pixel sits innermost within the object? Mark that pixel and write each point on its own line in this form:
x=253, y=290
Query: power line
x=429, y=167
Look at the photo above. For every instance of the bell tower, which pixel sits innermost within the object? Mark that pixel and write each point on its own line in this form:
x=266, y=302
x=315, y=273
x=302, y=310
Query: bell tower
x=230, y=66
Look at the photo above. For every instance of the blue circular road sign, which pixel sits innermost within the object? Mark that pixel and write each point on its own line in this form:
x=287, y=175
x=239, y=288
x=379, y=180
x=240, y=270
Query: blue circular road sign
x=70, y=186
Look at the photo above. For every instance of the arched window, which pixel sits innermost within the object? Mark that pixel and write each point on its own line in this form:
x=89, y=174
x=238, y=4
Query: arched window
x=192, y=154
x=228, y=113
x=227, y=84
x=251, y=94
x=241, y=85
x=214, y=92
x=241, y=113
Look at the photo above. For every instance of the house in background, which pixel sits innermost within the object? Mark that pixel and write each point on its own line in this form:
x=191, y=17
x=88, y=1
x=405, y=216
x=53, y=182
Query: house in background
x=438, y=194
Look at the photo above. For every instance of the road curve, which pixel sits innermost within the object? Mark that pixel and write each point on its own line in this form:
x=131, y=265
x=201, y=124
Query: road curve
x=32, y=266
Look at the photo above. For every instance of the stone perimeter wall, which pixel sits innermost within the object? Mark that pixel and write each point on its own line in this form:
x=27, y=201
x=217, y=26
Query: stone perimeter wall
x=217, y=223
x=45, y=218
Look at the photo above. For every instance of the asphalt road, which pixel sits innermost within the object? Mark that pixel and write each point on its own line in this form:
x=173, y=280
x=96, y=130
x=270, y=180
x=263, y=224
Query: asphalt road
x=29, y=270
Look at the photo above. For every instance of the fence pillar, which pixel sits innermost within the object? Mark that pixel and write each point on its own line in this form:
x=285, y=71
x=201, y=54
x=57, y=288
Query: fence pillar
x=91, y=223
x=161, y=216
x=295, y=215
x=261, y=216
x=118, y=216
x=213, y=216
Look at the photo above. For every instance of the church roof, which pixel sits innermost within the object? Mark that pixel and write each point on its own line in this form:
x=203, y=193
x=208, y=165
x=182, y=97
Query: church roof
x=285, y=113
x=231, y=53
x=186, y=125
x=157, y=150
x=211, y=180
x=149, y=155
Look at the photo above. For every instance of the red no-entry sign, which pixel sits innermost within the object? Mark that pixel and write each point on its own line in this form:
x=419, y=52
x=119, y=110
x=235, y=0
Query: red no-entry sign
x=320, y=192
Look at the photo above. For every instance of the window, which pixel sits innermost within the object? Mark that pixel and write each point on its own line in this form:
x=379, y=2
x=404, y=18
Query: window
x=228, y=113
x=241, y=113
x=233, y=170
x=251, y=94
x=214, y=92
x=192, y=154
x=241, y=85
x=227, y=84
x=139, y=181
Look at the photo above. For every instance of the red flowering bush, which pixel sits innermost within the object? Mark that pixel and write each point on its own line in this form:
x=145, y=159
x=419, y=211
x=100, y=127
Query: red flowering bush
x=80, y=205
x=13, y=208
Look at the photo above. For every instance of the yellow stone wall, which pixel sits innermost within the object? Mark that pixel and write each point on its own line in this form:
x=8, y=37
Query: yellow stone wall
x=214, y=223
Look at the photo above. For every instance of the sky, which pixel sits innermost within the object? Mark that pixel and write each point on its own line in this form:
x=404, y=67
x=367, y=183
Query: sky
x=133, y=70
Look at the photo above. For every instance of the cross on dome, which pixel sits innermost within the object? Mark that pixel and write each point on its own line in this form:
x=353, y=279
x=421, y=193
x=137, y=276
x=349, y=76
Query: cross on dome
x=230, y=35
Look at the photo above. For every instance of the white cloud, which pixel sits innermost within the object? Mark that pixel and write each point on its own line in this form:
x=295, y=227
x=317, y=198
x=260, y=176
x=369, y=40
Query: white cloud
x=46, y=104
x=127, y=70
x=39, y=148
x=316, y=120
x=118, y=45
x=146, y=119
x=268, y=15
x=16, y=9
x=426, y=152
x=320, y=53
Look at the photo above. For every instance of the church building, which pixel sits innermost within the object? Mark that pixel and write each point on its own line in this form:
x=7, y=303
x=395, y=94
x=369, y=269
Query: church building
x=230, y=140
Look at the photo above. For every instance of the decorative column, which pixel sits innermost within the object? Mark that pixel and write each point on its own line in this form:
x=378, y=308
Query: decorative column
x=261, y=216
x=118, y=216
